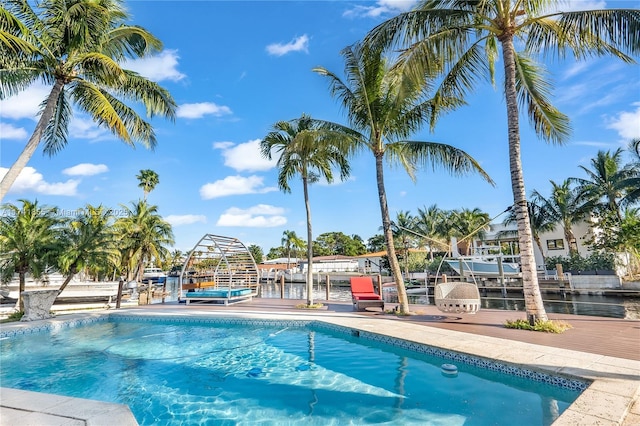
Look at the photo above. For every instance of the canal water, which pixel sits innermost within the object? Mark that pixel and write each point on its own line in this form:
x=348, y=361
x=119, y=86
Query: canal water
x=577, y=304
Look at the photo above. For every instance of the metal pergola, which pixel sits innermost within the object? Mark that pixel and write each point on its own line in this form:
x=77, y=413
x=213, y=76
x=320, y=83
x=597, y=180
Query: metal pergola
x=219, y=262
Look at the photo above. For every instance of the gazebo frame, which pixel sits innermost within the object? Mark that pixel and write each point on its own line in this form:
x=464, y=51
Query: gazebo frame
x=219, y=269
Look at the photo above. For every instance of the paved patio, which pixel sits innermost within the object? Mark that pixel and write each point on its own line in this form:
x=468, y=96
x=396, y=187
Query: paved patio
x=603, y=350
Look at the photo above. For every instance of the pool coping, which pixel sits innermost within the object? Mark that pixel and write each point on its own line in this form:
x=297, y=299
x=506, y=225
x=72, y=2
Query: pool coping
x=612, y=398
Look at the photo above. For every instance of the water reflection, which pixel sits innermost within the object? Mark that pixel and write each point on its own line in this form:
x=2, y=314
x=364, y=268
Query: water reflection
x=576, y=304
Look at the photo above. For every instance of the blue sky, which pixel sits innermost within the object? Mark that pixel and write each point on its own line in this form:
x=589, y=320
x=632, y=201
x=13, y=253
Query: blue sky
x=237, y=67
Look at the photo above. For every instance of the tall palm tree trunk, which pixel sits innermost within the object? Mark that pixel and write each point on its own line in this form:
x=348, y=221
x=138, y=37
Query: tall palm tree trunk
x=569, y=236
x=388, y=235
x=536, y=238
x=532, y=297
x=67, y=280
x=309, y=244
x=34, y=141
x=22, y=277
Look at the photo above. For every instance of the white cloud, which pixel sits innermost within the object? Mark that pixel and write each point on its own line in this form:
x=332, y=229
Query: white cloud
x=245, y=156
x=8, y=131
x=157, y=68
x=25, y=104
x=576, y=69
x=296, y=45
x=222, y=145
x=31, y=181
x=627, y=123
x=382, y=7
x=234, y=185
x=260, y=216
x=185, y=219
x=199, y=110
x=86, y=169
x=603, y=145
x=83, y=127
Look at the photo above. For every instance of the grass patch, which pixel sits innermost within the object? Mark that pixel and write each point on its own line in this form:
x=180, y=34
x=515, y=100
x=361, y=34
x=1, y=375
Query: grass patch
x=548, y=326
x=16, y=316
x=314, y=306
x=397, y=313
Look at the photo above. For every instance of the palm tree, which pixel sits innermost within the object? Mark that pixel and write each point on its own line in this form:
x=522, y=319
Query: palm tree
x=311, y=149
x=563, y=208
x=148, y=180
x=633, y=181
x=144, y=237
x=468, y=224
x=290, y=242
x=29, y=241
x=606, y=184
x=77, y=46
x=404, y=236
x=468, y=37
x=87, y=240
x=429, y=226
x=386, y=107
x=541, y=222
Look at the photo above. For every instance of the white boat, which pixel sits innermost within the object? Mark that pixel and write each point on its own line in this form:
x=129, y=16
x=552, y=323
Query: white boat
x=156, y=275
x=485, y=265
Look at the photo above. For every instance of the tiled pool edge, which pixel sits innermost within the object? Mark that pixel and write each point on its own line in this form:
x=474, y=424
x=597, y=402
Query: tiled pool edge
x=607, y=401
x=37, y=408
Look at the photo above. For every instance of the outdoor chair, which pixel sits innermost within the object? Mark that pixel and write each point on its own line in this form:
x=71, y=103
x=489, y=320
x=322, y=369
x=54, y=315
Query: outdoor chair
x=363, y=294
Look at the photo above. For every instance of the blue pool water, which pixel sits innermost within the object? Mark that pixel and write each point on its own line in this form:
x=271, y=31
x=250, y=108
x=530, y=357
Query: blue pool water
x=224, y=373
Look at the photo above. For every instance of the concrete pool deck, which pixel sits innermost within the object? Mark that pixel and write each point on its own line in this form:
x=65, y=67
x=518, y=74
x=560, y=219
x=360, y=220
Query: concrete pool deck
x=611, y=399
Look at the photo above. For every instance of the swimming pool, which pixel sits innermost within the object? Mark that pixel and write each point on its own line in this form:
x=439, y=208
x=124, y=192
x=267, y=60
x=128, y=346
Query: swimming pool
x=231, y=371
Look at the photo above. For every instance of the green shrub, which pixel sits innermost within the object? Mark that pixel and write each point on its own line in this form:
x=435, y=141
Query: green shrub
x=576, y=262
x=548, y=326
x=16, y=316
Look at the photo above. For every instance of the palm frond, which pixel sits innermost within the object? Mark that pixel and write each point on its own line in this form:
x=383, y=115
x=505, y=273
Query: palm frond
x=439, y=155
x=533, y=92
x=156, y=99
x=14, y=80
x=130, y=42
x=98, y=105
x=100, y=69
x=55, y=134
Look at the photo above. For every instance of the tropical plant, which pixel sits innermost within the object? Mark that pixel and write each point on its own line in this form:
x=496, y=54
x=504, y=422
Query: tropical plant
x=338, y=243
x=77, y=47
x=276, y=252
x=429, y=226
x=606, y=184
x=633, y=181
x=143, y=237
x=29, y=242
x=404, y=237
x=256, y=252
x=541, y=221
x=148, y=180
x=385, y=107
x=469, y=224
x=376, y=243
x=468, y=37
x=87, y=240
x=562, y=207
x=310, y=149
x=291, y=244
